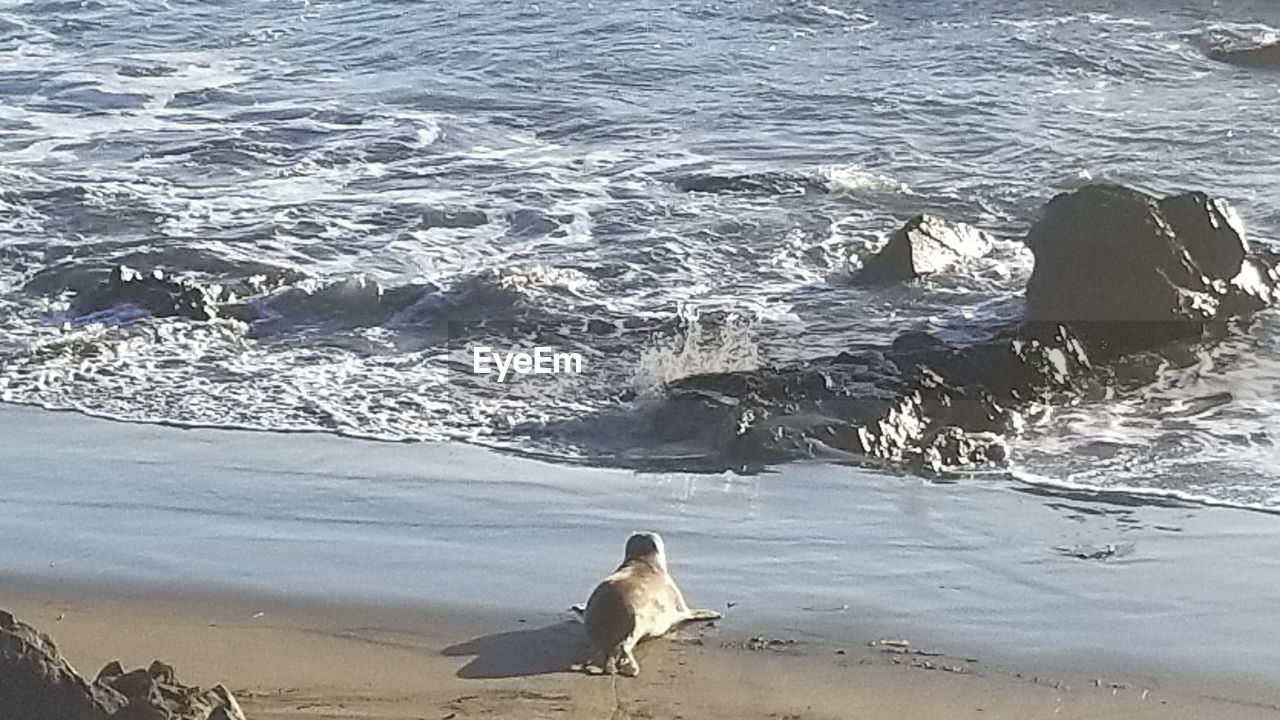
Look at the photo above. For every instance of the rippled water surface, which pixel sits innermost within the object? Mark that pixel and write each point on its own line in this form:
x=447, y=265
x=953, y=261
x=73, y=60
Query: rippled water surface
x=671, y=187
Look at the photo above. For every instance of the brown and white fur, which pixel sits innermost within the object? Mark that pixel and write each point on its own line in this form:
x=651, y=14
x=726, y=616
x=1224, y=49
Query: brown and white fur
x=639, y=600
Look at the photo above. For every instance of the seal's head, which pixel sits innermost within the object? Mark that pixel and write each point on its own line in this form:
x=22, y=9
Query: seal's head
x=646, y=547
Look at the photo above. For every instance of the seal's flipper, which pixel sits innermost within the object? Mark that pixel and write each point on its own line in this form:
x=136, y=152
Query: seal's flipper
x=596, y=663
x=701, y=615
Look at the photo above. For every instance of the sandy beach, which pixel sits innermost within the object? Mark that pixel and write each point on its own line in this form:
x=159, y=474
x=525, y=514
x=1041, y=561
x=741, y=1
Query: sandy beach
x=292, y=660
x=348, y=579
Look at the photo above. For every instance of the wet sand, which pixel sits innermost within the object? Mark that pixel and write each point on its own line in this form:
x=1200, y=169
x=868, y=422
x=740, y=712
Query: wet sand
x=369, y=561
x=291, y=660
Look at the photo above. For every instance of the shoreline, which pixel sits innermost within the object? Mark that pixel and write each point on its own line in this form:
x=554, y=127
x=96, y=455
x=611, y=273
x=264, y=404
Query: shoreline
x=286, y=660
x=1180, y=597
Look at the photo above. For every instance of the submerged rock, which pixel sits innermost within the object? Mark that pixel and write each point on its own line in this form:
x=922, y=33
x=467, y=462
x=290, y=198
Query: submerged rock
x=271, y=294
x=762, y=183
x=358, y=300
x=158, y=294
x=927, y=244
x=1259, y=55
x=37, y=683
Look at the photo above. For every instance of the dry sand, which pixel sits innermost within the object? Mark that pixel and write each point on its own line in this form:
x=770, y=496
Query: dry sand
x=286, y=660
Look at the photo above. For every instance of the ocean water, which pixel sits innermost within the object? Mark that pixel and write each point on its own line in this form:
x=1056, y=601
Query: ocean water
x=666, y=188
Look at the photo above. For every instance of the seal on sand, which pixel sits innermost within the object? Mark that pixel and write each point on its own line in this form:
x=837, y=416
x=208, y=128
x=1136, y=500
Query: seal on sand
x=639, y=600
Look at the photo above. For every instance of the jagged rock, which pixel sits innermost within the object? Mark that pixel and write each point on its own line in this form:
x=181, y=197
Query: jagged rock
x=110, y=670
x=1033, y=362
x=752, y=417
x=37, y=683
x=954, y=448
x=223, y=704
x=1106, y=253
x=921, y=403
x=156, y=692
x=1126, y=270
x=943, y=421
x=927, y=244
x=138, y=686
x=157, y=294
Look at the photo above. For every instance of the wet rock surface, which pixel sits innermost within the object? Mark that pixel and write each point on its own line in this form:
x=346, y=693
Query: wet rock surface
x=274, y=294
x=1118, y=272
x=37, y=683
x=922, y=403
x=925, y=245
x=155, y=293
x=1130, y=270
x=764, y=183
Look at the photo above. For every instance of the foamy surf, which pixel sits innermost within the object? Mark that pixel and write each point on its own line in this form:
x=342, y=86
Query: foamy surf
x=667, y=203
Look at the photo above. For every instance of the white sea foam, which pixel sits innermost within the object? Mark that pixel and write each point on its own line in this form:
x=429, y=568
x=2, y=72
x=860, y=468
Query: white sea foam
x=697, y=347
x=1150, y=493
x=516, y=181
x=855, y=180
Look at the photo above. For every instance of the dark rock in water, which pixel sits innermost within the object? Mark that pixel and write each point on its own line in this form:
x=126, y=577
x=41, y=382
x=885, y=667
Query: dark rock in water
x=923, y=403
x=961, y=402
x=1034, y=362
x=265, y=280
x=764, y=183
x=1261, y=55
x=358, y=301
x=1127, y=270
x=271, y=293
x=1106, y=253
x=1117, y=271
x=156, y=293
x=753, y=417
x=530, y=223
x=955, y=448
x=37, y=683
x=452, y=218
x=925, y=245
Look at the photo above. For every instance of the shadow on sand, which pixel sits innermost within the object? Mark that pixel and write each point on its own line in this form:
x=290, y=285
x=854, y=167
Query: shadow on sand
x=520, y=653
